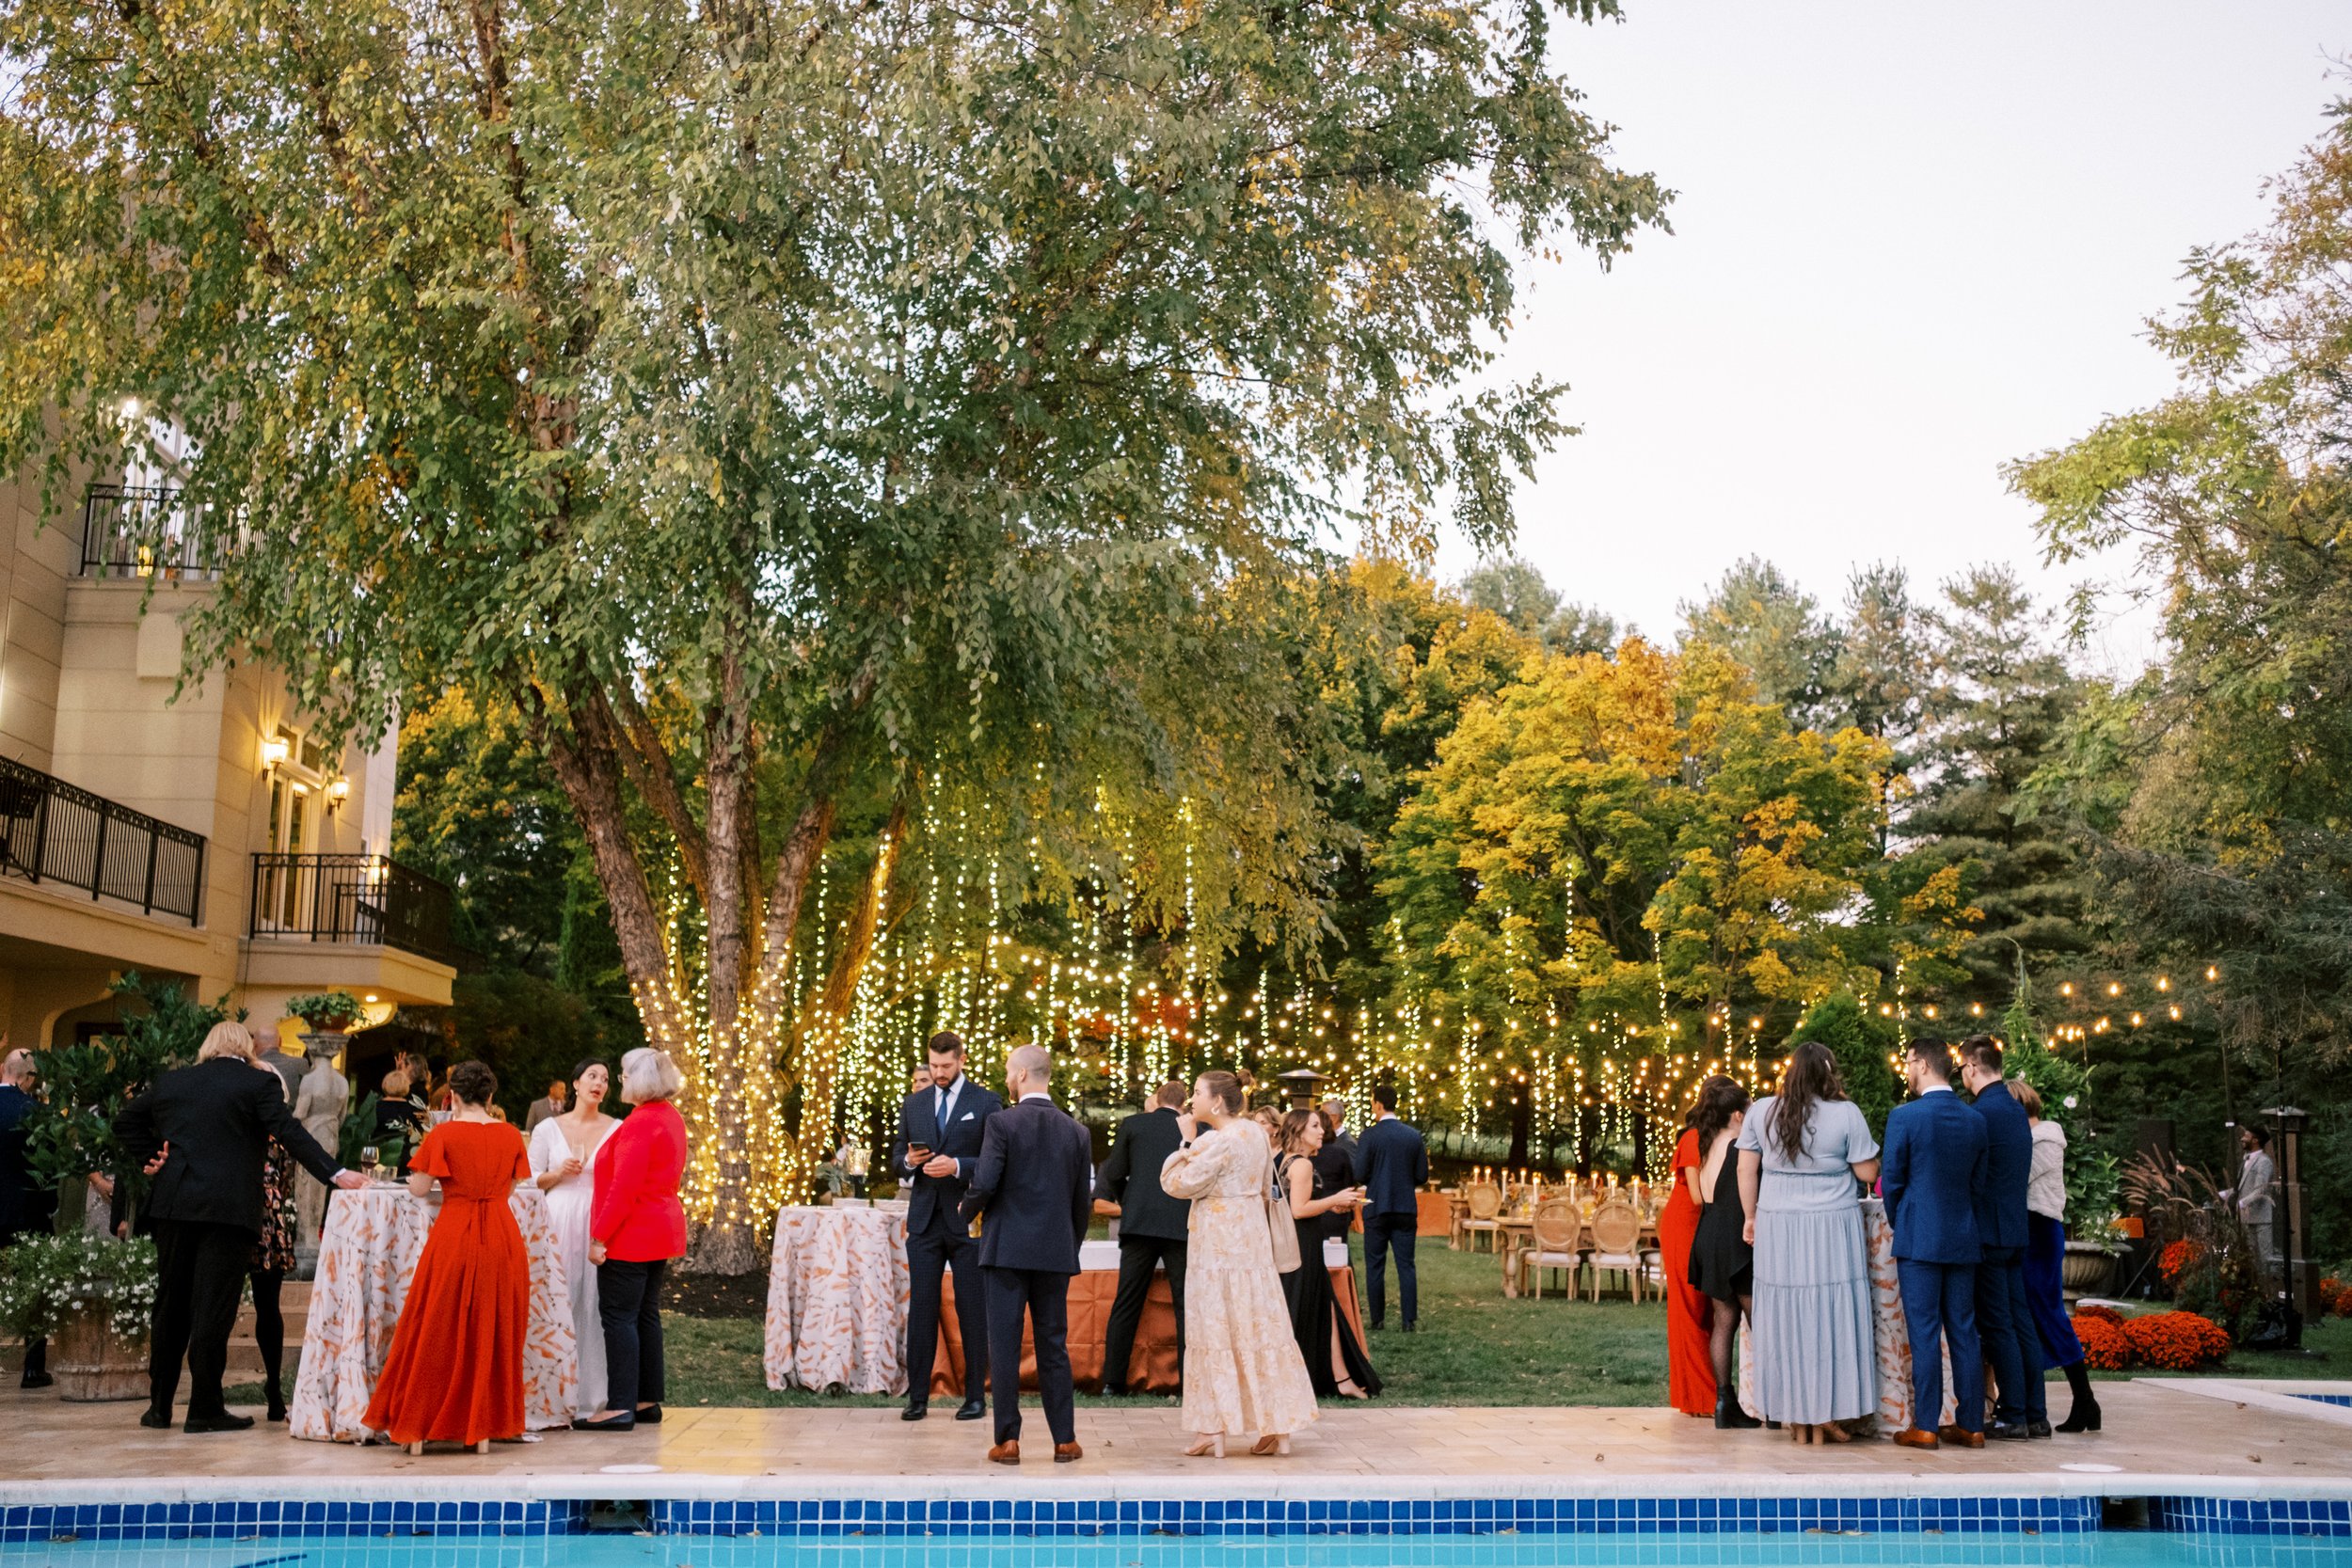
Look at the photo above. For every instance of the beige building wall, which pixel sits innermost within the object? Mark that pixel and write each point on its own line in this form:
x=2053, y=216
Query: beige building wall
x=92, y=691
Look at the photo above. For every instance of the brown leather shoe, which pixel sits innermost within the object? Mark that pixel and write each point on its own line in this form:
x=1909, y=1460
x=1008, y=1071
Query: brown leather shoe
x=1008, y=1452
x=1961, y=1437
x=1916, y=1437
x=1065, y=1453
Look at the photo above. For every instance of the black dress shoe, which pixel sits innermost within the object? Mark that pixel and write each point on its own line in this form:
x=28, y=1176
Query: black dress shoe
x=648, y=1415
x=36, y=1380
x=222, y=1422
x=625, y=1422
x=972, y=1409
x=155, y=1420
x=1412, y=1328
x=916, y=1410
x=2038, y=1428
x=2006, y=1431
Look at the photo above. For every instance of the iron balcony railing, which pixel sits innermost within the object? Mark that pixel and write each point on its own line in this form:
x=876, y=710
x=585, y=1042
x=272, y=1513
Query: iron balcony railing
x=141, y=530
x=61, y=836
x=368, y=899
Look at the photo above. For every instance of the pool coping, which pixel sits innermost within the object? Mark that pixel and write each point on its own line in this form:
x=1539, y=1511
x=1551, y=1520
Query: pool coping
x=2282, y=1396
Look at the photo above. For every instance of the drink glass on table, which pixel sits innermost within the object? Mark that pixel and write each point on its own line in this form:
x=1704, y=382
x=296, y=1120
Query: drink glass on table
x=369, y=1158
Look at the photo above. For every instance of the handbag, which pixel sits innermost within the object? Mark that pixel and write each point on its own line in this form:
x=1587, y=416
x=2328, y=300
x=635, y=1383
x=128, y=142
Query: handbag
x=1282, y=1230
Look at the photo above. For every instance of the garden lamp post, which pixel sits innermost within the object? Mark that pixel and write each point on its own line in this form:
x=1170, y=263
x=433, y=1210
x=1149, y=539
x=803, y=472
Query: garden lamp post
x=2287, y=1125
x=1300, y=1084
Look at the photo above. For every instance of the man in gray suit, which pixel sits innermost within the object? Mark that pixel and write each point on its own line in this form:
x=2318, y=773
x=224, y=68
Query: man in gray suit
x=2255, y=1198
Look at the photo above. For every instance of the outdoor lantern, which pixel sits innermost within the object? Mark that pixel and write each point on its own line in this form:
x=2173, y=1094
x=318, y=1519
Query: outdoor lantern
x=2287, y=1125
x=1300, y=1084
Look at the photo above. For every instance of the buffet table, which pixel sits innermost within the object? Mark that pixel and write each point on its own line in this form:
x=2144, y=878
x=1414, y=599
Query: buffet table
x=837, y=1292
x=367, y=1254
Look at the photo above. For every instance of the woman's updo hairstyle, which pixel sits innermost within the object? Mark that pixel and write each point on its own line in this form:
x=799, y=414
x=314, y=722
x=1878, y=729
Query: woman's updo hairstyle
x=1225, y=1089
x=473, y=1083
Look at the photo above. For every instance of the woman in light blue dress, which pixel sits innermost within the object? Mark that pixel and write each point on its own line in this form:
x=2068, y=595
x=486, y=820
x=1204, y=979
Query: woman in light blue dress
x=1801, y=1152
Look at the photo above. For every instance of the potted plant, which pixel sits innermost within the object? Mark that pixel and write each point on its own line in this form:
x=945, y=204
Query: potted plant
x=94, y=1297
x=2088, y=1267
x=330, y=1013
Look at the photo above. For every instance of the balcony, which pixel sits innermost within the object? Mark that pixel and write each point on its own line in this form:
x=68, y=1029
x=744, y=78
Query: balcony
x=56, y=835
x=368, y=900
x=135, y=531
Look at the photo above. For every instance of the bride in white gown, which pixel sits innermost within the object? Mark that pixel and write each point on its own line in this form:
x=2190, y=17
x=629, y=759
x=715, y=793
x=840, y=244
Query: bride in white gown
x=563, y=1161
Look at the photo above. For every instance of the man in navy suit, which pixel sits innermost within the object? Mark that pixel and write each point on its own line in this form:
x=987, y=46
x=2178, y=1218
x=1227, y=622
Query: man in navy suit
x=2004, y=1317
x=944, y=1124
x=1393, y=1164
x=1932, y=1177
x=1033, y=1191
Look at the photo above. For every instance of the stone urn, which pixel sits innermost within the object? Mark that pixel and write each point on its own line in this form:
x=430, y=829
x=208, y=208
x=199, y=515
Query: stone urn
x=93, y=1364
x=2088, y=1269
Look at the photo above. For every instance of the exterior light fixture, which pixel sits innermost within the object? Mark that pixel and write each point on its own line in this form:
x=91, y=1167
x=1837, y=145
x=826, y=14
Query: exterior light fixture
x=274, y=751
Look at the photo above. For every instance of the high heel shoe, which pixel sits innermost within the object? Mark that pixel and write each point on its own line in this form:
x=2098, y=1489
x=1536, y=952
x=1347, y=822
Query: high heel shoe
x=1832, y=1432
x=2083, y=1417
x=1273, y=1443
x=1207, y=1447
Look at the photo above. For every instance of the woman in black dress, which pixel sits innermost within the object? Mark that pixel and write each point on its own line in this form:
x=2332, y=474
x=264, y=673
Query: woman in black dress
x=1723, y=1265
x=1337, y=1362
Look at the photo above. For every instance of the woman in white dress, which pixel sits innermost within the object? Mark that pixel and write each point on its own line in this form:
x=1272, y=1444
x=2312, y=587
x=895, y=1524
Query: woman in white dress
x=1243, y=1369
x=563, y=1162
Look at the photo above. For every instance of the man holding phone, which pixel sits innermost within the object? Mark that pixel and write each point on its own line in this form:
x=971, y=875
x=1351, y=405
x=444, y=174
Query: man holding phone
x=939, y=1128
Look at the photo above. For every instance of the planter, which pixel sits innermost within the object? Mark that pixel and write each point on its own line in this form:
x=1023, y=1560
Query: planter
x=2088, y=1268
x=324, y=1044
x=92, y=1364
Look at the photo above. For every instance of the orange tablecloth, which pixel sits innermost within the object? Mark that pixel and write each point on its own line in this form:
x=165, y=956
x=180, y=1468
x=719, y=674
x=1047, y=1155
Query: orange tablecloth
x=1437, y=1214
x=1090, y=1295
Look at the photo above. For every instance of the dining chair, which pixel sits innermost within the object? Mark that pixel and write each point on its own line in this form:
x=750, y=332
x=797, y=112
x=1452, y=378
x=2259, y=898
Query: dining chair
x=1616, y=1246
x=1552, y=1244
x=1484, y=1201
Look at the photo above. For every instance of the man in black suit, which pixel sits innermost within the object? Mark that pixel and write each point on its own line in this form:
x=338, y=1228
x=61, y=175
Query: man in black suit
x=1152, y=1228
x=1034, y=1192
x=203, y=1132
x=1393, y=1164
x=2004, y=1315
x=939, y=1142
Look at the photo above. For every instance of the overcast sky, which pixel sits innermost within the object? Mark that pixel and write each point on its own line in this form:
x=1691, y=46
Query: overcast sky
x=1910, y=242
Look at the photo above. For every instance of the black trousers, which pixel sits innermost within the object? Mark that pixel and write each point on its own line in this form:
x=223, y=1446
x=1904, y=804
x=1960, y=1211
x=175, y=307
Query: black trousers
x=929, y=1254
x=1045, y=1299
x=2012, y=1347
x=1138, y=1256
x=1384, y=1233
x=200, y=1278
x=629, y=1304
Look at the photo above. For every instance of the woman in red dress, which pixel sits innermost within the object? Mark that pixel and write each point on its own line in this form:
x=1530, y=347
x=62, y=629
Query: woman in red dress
x=455, y=1370
x=1689, y=1369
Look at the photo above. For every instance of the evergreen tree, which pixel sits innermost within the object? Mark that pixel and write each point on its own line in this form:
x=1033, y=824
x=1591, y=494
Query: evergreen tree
x=2000, y=702
x=1775, y=632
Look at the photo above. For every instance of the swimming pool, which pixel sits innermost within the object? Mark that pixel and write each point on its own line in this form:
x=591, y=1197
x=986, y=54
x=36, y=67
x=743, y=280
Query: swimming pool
x=2109, y=1549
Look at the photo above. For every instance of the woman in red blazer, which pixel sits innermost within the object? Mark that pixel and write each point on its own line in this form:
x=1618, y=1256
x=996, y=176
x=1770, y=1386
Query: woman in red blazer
x=636, y=1225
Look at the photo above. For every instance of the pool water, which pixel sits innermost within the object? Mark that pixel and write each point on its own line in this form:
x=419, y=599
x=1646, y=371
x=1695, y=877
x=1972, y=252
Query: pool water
x=1744, y=1549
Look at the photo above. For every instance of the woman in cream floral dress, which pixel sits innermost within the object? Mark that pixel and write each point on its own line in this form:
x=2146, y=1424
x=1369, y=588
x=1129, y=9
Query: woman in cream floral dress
x=1243, y=1372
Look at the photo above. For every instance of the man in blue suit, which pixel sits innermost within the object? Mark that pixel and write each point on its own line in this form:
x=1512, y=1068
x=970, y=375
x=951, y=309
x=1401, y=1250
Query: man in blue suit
x=1033, y=1191
x=2003, y=1318
x=1932, y=1177
x=1393, y=1164
x=940, y=1132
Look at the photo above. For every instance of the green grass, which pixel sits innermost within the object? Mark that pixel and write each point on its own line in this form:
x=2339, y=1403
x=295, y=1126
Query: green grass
x=1475, y=1347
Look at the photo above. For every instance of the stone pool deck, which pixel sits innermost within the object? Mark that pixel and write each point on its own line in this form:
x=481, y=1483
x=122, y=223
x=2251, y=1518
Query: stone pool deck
x=2161, y=1437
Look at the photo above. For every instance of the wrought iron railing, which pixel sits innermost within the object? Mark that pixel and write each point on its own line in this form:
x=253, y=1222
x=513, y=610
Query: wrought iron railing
x=141, y=530
x=56, y=835
x=358, y=898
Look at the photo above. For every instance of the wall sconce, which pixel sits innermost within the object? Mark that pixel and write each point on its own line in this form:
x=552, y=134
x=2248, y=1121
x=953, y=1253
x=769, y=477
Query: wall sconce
x=274, y=750
x=337, y=793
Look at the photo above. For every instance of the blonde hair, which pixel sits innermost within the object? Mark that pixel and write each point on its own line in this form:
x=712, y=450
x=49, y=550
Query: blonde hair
x=649, y=1074
x=228, y=1038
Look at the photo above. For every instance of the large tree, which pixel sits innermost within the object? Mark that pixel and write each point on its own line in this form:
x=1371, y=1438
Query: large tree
x=791, y=407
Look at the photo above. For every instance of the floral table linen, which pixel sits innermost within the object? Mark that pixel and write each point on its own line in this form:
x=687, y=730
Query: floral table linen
x=367, y=1254
x=837, y=1293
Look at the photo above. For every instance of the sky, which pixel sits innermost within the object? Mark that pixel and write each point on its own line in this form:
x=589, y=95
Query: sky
x=1910, y=244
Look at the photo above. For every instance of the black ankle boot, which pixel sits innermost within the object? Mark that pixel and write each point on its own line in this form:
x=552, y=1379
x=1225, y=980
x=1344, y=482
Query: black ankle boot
x=1729, y=1416
x=2085, y=1416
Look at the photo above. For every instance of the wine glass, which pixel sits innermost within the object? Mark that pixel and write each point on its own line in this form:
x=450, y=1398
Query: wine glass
x=369, y=1158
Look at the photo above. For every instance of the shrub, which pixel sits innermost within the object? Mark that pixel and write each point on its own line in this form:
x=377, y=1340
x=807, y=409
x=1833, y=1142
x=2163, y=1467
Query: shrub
x=44, y=1280
x=2105, y=1314
x=2177, y=1341
x=2179, y=1259
x=2106, y=1346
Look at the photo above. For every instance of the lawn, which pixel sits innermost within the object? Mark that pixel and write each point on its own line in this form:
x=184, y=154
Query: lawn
x=1475, y=1347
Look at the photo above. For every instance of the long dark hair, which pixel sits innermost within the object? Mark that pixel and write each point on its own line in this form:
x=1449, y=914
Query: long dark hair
x=1719, y=1100
x=1810, y=1078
